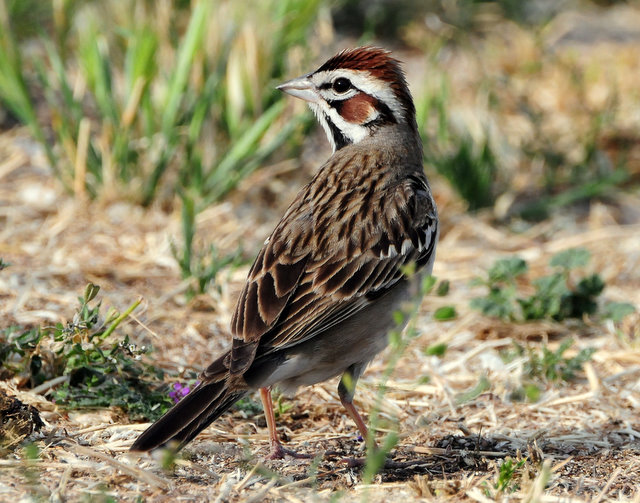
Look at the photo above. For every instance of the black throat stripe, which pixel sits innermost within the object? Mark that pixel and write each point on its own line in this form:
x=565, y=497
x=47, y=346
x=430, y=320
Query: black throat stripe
x=339, y=139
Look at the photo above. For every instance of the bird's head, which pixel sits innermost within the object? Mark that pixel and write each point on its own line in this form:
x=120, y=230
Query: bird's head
x=356, y=94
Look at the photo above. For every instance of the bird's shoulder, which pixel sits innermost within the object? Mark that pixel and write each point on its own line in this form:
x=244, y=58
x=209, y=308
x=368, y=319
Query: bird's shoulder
x=356, y=201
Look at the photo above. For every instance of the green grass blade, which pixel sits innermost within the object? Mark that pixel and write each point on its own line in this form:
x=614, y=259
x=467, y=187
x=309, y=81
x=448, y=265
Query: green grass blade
x=243, y=147
x=186, y=55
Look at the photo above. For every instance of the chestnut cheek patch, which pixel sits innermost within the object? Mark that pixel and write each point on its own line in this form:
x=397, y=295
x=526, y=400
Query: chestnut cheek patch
x=360, y=109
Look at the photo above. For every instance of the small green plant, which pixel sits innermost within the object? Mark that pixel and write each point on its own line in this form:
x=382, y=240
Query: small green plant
x=566, y=178
x=17, y=345
x=501, y=283
x=168, y=460
x=508, y=478
x=90, y=366
x=3, y=264
x=507, y=475
x=616, y=311
x=557, y=296
x=314, y=468
x=202, y=267
x=282, y=405
x=552, y=366
x=471, y=169
x=249, y=406
x=544, y=366
x=528, y=392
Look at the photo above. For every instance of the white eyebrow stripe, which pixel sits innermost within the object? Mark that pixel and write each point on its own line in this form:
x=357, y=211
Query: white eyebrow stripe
x=362, y=80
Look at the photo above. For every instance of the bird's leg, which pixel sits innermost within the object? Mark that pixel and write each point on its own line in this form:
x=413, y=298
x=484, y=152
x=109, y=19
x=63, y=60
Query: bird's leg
x=346, y=390
x=357, y=418
x=277, y=450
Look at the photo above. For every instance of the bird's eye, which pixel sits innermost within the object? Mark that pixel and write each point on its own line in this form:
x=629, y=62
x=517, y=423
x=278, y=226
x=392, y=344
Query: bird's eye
x=341, y=85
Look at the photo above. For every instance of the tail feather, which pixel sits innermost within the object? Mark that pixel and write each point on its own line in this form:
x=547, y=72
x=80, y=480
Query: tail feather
x=189, y=417
x=213, y=412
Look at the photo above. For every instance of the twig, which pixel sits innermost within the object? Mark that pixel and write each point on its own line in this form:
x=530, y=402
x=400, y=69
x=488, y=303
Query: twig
x=135, y=472
x=51, y=383
x=608, y=485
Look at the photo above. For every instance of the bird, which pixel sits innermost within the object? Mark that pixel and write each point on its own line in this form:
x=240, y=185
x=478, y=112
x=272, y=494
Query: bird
x=350, y=250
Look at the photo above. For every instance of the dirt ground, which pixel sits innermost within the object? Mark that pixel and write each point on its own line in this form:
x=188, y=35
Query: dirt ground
x=581, y=440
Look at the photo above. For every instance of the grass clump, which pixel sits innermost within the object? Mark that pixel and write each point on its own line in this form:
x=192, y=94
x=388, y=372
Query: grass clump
x=563, y=294
x=154, y=102
x=84, y=365
x=473, y=144
x=469, y=164
x=145, y=99
x=508, y=474
x=558, y=296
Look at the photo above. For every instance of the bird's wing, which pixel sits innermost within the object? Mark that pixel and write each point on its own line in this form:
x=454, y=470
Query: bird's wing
x=345, y=241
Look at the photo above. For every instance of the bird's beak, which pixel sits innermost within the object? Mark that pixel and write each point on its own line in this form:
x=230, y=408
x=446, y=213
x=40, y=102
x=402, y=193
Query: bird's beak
x=302, y=88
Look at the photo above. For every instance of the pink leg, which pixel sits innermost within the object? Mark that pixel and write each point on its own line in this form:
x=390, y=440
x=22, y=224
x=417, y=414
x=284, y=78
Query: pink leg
x=346, y=390
x=277, y=451
x=357, y=418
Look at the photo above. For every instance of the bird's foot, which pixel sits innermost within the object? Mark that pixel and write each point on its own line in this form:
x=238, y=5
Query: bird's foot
x=279, y=452
x=354, y=462
x=361, y=462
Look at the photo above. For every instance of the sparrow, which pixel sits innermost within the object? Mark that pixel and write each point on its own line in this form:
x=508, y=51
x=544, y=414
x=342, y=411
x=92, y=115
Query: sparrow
x=348, y=252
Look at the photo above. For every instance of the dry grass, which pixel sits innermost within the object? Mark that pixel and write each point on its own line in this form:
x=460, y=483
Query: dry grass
x=586, y=434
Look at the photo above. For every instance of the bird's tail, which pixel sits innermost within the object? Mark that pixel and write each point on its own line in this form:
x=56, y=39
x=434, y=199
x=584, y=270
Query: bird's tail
x=206, y=403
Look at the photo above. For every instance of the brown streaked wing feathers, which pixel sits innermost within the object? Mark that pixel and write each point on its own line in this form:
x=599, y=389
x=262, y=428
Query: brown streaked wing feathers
x=272, y=279
x=295, y=293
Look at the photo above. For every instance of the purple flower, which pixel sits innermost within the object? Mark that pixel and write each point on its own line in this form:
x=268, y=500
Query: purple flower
x=180, y=391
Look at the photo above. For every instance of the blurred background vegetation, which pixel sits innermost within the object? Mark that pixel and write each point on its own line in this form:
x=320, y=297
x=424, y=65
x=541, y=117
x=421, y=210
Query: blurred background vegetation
x=161, y=102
